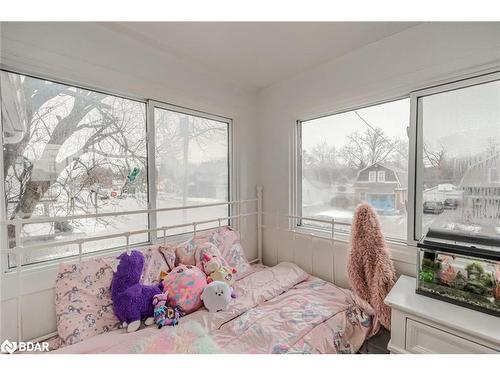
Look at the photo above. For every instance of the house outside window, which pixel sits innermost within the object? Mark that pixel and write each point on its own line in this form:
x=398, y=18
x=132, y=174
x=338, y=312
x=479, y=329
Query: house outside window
x=451, y=147
x=460, y=156
x=346, y=156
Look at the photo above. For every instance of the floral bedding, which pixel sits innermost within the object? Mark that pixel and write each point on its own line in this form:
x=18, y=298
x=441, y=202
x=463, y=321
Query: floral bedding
x=83, y=296
x=82, y=291
x=278, y=309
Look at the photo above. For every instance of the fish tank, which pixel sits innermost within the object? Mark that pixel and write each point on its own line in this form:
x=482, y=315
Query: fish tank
x=460, y=269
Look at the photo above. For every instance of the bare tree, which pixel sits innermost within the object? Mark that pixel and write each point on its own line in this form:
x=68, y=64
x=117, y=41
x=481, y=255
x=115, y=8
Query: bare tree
x=323, y=154
x=66, y=132
x=434, y=158
x=179, y=138
x=320, y=162
x=492, y=146
x=439, y=168
x=366, y=148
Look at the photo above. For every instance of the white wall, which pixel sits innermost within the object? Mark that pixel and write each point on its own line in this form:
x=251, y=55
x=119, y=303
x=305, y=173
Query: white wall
x=390, y=68
x=94, y=56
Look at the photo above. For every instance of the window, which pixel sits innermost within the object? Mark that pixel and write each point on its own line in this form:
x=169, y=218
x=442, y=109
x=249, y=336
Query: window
x=453, y=145
x=192, y=164
x=459, y=162
x=493, y=175
x=71, y=151
x=343, y=156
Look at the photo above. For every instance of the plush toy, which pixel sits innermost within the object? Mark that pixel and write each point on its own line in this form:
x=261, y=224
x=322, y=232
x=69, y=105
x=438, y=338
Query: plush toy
x=224, y=274
x=165, y=315
x=183, y=287
x=211, y=263
x=132, y=301
x=160, y=300
x=216, y=296
x=216, y=270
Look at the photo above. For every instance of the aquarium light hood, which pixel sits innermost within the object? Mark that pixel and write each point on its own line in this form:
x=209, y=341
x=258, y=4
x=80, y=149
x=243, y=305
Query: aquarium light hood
x=461, y=243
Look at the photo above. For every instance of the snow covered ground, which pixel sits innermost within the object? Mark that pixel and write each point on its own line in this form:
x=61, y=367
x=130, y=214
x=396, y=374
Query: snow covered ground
x=39, y=233
x=395, y=226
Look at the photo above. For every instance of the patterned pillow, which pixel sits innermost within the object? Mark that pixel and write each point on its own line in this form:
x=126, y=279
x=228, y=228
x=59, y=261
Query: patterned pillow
x=225, y=239
x=169, y=256
x=209, y=249
x=228, y=242
x=184, y=252
x=83, y=295
x=154, y=263
x=83, y=300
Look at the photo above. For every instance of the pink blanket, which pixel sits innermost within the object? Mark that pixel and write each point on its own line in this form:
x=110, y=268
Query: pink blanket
x=280, y=309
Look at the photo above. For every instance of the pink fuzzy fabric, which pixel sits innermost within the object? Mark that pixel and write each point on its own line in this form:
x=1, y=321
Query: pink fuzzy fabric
x=369, y=268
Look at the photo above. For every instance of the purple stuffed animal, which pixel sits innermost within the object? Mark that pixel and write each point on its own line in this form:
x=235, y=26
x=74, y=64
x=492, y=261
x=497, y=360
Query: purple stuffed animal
x=132, y=301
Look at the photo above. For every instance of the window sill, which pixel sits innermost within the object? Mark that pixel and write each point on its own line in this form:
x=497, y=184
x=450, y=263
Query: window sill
x=400, y=251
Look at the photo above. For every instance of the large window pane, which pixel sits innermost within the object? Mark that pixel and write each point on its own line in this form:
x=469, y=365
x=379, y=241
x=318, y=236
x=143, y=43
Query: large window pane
x=70, y=151
x=191, y=167
x=461, y=162
x=357, y=156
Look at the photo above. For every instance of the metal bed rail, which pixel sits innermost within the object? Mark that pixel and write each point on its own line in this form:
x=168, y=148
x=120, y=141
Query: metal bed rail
x=19, y=250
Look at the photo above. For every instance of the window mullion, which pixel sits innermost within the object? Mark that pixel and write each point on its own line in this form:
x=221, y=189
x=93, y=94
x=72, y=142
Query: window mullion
x=151, y=162
x=412, y=172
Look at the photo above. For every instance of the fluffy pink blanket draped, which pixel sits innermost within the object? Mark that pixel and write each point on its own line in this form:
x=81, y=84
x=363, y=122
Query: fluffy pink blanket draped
x=370, y=268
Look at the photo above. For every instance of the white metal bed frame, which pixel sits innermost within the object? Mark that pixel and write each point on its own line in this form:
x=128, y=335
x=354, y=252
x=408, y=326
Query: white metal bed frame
x=19, y=250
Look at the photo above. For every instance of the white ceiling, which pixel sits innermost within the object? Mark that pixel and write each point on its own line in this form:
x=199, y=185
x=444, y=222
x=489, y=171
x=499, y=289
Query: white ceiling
x=258, y=54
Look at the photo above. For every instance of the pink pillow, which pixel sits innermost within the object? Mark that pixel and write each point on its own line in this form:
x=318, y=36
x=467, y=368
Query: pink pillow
x=83, y=295
x=184, y=252
x=228, y=242
x=83, y=300
x=209, y=249
x=155, y=262
x=225, y=239
x=169, y=256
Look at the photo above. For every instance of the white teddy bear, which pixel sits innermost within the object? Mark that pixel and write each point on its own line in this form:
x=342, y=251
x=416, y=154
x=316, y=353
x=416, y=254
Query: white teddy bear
x=216, y=296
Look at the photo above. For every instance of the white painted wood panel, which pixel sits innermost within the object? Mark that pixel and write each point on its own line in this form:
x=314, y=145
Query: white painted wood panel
x=424, y=339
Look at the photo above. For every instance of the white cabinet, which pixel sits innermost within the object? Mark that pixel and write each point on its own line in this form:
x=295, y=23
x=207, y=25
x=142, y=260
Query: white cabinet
x=425, y=339
x=425, y=325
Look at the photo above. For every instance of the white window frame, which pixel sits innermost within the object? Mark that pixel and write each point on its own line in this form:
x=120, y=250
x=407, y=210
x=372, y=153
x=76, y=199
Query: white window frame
x=372, y=176
x=296, y=172
x=380, y=176
x=415, y=170
x=415, y=161
x=151, y=153
x=491, y=180
x=233, y=190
